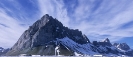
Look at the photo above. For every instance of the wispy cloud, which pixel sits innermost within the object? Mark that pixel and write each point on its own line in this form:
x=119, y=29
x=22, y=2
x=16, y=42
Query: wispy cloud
x=96, y=19
x=10, y=29
x=55, y=9
x=14, y=19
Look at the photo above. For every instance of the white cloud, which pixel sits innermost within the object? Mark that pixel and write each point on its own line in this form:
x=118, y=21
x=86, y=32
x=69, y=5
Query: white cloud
x=94, y=20
x=10, y=30
x=55, y=9
x=105, y=23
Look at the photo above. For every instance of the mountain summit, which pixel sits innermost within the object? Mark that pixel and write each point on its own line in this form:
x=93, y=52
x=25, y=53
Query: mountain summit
x=48, y=36
x=43, y=32
x=106, y=40
x=122, y=46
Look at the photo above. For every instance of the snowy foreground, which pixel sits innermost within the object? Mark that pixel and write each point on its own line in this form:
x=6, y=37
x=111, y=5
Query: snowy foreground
x=65, y=56
x=77, y=55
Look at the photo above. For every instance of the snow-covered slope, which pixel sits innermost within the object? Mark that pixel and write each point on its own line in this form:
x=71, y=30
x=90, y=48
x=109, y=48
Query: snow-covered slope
x=90, y=49
x=85, y=49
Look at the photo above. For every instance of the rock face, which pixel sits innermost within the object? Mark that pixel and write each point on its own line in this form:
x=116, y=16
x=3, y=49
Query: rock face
x=105, y=47
x=48, y=36
x=105, y=42
x=124, y=48
x=44, y=31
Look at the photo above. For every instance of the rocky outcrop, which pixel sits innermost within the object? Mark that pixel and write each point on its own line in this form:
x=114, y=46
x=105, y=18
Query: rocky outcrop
x=105, y=42
x=105, y=47
x=124, y=48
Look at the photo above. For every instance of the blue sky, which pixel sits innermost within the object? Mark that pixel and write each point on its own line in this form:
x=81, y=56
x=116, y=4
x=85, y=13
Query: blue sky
x=98, y=19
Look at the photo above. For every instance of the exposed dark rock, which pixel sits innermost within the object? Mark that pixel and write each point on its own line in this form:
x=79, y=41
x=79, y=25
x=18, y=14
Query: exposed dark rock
x=105, y=42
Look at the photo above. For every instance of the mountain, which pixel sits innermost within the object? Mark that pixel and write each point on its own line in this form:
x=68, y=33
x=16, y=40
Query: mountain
x=45, y=32
x=3, y=51
x=122, y=46
x=106, y=40
x=48, y=36
x=106, y=48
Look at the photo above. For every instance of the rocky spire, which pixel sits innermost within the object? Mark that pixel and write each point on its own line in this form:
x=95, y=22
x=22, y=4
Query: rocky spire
x=106, y=40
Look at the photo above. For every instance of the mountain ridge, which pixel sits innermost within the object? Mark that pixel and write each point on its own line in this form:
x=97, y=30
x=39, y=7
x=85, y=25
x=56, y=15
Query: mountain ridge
x=48, y=36
x=3, y=51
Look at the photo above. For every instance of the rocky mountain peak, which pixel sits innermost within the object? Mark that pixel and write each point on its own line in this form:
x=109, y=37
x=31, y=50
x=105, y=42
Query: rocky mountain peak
x=106, y=40
x=122, y=46
x=45, y=31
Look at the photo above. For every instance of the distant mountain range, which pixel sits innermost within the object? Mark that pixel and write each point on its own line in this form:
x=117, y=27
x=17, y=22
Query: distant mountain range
x=48, y=36
x=3, y=51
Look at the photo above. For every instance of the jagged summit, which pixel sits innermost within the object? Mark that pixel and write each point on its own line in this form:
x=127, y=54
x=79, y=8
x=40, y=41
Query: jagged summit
x=122, y=46
x=106, y=40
